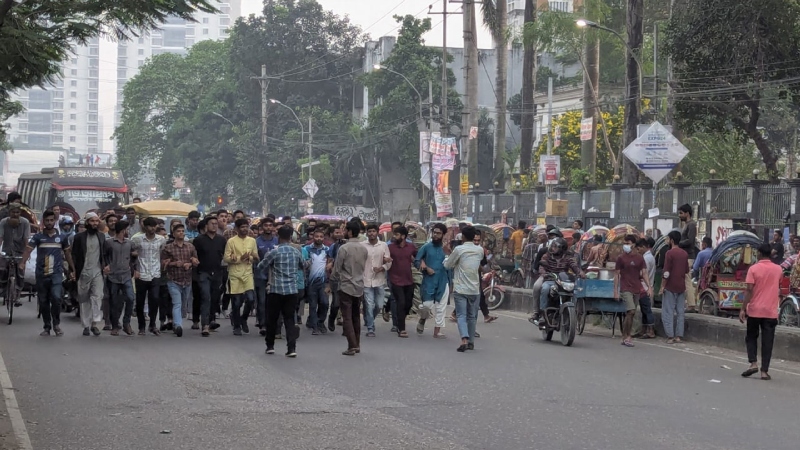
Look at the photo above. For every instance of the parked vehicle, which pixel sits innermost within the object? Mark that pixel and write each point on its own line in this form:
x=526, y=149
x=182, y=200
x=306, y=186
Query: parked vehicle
x=494, y=292
x=722, y=282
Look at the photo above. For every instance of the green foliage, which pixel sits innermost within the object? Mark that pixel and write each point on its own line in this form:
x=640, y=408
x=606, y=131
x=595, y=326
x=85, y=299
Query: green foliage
x=727, y=154
x=579, y=179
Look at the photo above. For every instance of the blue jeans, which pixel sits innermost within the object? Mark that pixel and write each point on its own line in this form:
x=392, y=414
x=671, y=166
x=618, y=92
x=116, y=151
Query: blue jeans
x=50, y=291
x=466, y=314
x=261, y=302
x=121, y=297
x=646, y=306
x=373, y=305
x=178, y=294
x=317, y=304
x=544, y=294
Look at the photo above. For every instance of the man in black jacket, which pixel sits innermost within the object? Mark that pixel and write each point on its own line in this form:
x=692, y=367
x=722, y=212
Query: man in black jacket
x=87, y=261
x=689, y=244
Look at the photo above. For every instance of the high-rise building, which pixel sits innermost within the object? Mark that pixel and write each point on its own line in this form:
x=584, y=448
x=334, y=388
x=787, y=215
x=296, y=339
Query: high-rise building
x=175, y=36
x=64, y=115
x=516, y=10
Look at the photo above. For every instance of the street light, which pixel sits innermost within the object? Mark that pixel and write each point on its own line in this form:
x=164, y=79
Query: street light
x=380, y=67
x=222, y=117
x=302, y=140
x=583, y=23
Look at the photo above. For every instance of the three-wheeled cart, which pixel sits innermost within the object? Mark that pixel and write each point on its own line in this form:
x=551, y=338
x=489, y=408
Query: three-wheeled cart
x=598, y=297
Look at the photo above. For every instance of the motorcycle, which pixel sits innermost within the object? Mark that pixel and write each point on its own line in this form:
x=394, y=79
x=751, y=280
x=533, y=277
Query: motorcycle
x=507, y=274
x=494, y=292
x=560, y=313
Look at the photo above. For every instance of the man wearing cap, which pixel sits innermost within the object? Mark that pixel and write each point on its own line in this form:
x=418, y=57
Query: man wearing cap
x=86, y=259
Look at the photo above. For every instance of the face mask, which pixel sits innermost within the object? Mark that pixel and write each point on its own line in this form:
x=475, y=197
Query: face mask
x=626, y=248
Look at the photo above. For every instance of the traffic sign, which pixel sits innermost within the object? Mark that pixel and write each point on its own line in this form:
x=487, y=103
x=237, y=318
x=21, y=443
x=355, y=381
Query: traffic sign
x=310, y=188
x=656, y=152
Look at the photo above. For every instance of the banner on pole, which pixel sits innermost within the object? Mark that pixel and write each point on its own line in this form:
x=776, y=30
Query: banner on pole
x=549, y=169
x=587, y=125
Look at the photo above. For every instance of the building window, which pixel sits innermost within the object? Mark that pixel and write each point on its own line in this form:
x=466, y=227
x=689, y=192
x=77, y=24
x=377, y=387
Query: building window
x=73, y=94
x=93, y=139
x=38, y=99
x=172, y=20
x=73, y=72
x=122, y=73
x=205, y=31
x=141, y=52
x=42, y=140
x=141, y=40
x=92, y=128
x=72, y=139
x=40, y=122
x=57, y=128
x=58, y=139
x=174, y=37
x=58, y=105
x=72, y=149
x=23, y=126
x=58, y=95
x=73, y=83
x=58, y=117
x=94, y=51
x=94, y=62
x=73, y=117
x=73, y=105
x=158, y=42
x=92, y=106
x=73, y=128
x=92, y=149
x=93, y=84
x=225, y=21
x=223, y=31
x=140, y=63
x=94, y=73
x=205, y=19
x=122, y=62
x=92, y=117
x=73, y=61
x=93, y=95
x=59, y=83
x=225, y=9
x=559, y=6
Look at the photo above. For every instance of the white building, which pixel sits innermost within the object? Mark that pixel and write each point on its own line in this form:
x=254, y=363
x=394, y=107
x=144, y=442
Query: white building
x=516, y=11
x=63, y=116
x=175, y=36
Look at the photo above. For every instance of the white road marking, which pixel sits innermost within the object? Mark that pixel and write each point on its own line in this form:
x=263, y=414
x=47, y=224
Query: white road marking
x=667, y=347
x=17, y=423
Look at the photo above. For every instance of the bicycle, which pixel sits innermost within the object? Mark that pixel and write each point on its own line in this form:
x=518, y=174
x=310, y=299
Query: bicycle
x=11, y=296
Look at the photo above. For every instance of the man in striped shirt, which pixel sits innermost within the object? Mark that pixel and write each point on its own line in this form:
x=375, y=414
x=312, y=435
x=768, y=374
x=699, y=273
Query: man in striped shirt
x=283, y=264
x=50, y=245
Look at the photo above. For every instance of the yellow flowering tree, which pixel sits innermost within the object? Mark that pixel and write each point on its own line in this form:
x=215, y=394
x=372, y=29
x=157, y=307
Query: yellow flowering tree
x=569, y=149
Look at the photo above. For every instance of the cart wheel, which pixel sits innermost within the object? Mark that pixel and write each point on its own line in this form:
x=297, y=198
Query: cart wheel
x=609, y=320
x=580, y=311
x=788, y=314
x=708, y=305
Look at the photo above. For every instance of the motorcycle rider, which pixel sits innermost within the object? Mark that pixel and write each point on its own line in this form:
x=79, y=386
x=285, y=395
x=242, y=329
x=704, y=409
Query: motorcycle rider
x=553, y=233
x=557, y=259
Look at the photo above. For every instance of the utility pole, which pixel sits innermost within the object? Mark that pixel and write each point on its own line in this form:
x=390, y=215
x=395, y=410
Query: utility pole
x=549, y=116
x=263, y=81
x=591, y=80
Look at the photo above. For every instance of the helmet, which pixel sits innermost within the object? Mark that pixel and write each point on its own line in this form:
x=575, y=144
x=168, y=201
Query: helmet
x=555, y=232
x=66, y=220
x=557, y=247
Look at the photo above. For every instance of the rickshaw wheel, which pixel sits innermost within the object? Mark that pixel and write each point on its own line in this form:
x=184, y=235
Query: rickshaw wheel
x=580, y=310
x=788, y=314
x=708, y=305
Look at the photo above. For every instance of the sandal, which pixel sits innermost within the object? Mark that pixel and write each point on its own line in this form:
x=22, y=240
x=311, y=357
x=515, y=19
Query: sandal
x=766, y=377
x=402, y=334
x=439, y=336
x=750, y=371
x=490, y=319
x=671, y=341
x=349, y=352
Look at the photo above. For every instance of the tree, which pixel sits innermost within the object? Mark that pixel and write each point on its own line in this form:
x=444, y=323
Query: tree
x=724, y=153
x=495, y=18
x=727, y=55
x=37, y=35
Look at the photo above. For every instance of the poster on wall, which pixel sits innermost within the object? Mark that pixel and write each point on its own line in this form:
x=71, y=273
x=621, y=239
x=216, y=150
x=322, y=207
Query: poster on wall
x=549, y=169
x=444, y=204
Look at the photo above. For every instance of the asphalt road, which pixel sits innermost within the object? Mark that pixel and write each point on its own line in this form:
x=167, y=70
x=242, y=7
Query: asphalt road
x=513, y=392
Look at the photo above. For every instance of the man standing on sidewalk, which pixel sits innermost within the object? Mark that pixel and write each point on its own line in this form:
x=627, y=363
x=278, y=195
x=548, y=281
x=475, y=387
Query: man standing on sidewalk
x=631, y=273
x=147, y=283
x=517, y=237
x=673, y=289
x=378, y=263
x=465, y=261
x=348, y=273
x=402, y=254
x=760, y=310
x=121, y=256
x=50, y=245
x=283, y=263
x=317, y=283
x=435, y=288
x=689, y=244
x=86, y=258
x=240, y=254
x=179, y=257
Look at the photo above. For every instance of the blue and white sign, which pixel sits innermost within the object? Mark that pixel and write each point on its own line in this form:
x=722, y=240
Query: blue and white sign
x=656, y=152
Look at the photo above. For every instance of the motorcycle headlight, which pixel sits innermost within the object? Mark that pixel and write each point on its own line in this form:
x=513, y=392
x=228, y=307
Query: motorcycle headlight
x=567, y=286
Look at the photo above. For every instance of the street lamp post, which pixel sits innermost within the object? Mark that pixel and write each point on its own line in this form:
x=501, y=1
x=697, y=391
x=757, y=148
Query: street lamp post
x=223, y=118
x=419, y=96
x=302, y=139
x=583, y=23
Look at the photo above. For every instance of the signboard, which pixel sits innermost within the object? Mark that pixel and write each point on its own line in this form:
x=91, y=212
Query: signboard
x=587, y=125
x=75, y=195
x=549, y=169
x=720, y=230
x=656, y=152
x=73, y=177
x=557, y=141
x=310, y=188
x=366, y=214
x=464, y=184
x=444, y=204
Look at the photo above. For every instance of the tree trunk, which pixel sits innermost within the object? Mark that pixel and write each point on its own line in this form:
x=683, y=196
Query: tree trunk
x=528, y=86
x=501, y=92
x=635, y=27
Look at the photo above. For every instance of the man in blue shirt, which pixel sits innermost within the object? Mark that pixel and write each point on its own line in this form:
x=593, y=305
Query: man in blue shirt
x=265, y=243
x=317, y=284
x=50, y=246
x=702, y=257
x=283, y=263
x=191, y=225
x=435, y=281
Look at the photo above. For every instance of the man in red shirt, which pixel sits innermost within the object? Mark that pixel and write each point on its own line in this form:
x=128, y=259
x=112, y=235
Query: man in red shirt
x=402, y=254
x=760, y=308
x=673, y=288
x=631, y=273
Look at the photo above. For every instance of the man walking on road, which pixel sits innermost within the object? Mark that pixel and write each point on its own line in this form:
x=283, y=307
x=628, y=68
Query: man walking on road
x=240, y=254
x=435, y=288
x=50, y=245
x=179, y=257
x=283, y=263
x=673, y=289
x=317, y=290
x=402, y=254
x=760, y=310
x=632, y=272
x=465, y=261
x=379, y=261
x=210, y=248
x=348, y=273
x=689, y=244
x=517, y=237
x=86, y=258
x=121, y=255
x=265, y=243
x=148, y=265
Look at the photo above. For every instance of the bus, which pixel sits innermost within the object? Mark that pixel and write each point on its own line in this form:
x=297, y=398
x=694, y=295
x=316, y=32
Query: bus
x=77, y=190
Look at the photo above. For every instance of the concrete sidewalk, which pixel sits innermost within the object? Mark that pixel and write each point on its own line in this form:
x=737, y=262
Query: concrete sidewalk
x=717, y=331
